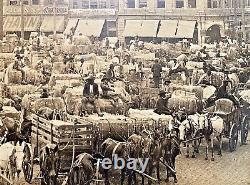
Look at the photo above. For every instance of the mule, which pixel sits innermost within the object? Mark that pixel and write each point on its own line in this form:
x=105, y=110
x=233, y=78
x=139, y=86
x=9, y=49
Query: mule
x=12, y=157
x=212, y=127
x=171, y=147
x=49, y=163
x=111, y=147
x=83, y=170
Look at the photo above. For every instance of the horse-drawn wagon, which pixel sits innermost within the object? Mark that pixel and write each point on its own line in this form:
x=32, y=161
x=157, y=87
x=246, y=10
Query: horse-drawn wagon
x=70, y=137
x=234, y=122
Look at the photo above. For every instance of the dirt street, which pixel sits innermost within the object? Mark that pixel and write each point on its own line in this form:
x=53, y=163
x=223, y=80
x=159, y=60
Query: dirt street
x=230, y=169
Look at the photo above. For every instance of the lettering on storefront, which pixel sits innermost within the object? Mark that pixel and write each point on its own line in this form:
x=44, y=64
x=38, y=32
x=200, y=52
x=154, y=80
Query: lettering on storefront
x=92, y=12
x=58, y=10
x=28, y=10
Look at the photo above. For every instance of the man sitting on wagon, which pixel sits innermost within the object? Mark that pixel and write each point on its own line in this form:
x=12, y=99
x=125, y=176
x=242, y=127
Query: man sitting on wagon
x=18, y=65
x=162, y=103
x=90, y=95
x=223, y=93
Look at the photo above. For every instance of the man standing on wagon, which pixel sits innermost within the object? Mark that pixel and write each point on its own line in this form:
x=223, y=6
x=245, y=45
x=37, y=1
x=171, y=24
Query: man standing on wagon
x=157, y=69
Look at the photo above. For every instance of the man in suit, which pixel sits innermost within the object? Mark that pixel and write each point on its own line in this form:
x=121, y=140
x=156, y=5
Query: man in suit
x=90, y=95
x=111, y=73
x=162, y=103
x=156, y=69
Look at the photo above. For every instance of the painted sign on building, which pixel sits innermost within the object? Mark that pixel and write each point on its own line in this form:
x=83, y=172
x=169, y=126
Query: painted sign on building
x=28, y=10
x=58, y=10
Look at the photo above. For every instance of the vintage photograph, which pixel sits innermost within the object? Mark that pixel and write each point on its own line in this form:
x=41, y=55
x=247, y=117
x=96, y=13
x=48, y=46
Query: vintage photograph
x=124, y=92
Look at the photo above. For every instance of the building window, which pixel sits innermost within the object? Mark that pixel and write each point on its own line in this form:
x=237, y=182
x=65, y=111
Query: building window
x=84, y=4
x=35, y=2
x=209, y=4
x=93, y=4
x=131, y=3
x=160, y=3
x=179, y=3
x=192, y=3
x=13, y=2
x=26, y=2
x=103, y=4
x=142, y=3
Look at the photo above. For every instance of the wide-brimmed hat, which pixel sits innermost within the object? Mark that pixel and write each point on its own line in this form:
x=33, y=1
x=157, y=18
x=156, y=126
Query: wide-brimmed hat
x=167, y=81
x=90, y=77
x=104, y=78
x=162, y=92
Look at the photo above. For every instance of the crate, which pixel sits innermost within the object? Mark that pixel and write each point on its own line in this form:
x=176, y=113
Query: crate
x=61, y=133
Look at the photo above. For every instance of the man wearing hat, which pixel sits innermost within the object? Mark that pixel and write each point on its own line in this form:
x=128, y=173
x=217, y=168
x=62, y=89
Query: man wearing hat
x=111, y=73
x=167, y=86
x=90, y=95
x=162, y=103
x=18, y=66
x=156, y=69
x=223, y=93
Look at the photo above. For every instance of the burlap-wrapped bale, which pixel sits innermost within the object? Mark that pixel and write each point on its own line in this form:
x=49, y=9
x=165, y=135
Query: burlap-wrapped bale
x=189, y=101
x=245, y=95
x=67, y=76
x=10, y=112
x=73, y=104
x=160, y=120
x=196, y=76
x=51, y=102
x=197, y=90
x=208, y=92
x=14, y=77
x=20, y=90
x=33, y=76
x=58, y=68
x=224, y=106
x=3, y=90
x=194, y=65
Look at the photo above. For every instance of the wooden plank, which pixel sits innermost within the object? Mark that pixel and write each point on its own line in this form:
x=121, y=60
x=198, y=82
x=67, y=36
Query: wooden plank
x=6, y=179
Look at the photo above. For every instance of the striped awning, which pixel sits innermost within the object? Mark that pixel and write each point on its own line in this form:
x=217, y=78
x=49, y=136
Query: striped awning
x=90, y=27
x=48, y=24
x=167, y=29
x=185, y=29
x=13, y=23
x=71, y=24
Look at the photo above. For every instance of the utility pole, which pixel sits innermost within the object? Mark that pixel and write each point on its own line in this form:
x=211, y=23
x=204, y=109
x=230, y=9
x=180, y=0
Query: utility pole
x=22, y=21
x=235, y=19
x=1, y=19
x=243, y=21
x=54, y=19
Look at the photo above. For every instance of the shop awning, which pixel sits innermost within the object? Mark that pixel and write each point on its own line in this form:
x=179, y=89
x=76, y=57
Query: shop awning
x=149, y=28
x=48, y=24
x=71, y=24
x=141, y=28
x=133, y=28
x=13, y=23
x=167, y=29
x=185, y=29
x=90, y=27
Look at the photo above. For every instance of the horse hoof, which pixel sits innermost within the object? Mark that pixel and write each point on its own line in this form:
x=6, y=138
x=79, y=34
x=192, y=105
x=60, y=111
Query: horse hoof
x=212, y=159
x=219, y=154
x=175, y=181
x=187, y=156
x=193, y=156
x=206, y=158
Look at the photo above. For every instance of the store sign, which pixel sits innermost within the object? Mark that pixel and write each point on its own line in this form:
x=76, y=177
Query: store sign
x=58, y=10
x=27, y=10
x=92, y=12
x=34, y=10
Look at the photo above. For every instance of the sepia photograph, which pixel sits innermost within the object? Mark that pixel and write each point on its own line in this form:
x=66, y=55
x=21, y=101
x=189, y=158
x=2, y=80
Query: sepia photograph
x=124, y=92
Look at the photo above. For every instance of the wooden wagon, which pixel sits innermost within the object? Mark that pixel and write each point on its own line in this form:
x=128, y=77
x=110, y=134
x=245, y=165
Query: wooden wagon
x=72, y=138
x=234, y=122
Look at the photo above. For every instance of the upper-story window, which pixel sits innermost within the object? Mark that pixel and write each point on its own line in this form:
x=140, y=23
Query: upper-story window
x=160, y=3
x=131, y=3
x=179, y=3
x=192, y=3
x=142, y=3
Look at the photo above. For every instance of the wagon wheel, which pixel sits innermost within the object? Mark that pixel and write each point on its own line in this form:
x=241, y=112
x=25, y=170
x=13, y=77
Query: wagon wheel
x=27, y=165
x=233, y=138
x=244, y=130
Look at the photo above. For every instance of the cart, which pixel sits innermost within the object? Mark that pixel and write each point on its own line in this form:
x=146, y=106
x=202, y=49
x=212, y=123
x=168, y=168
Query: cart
x=235, y=123
x=71, y=137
